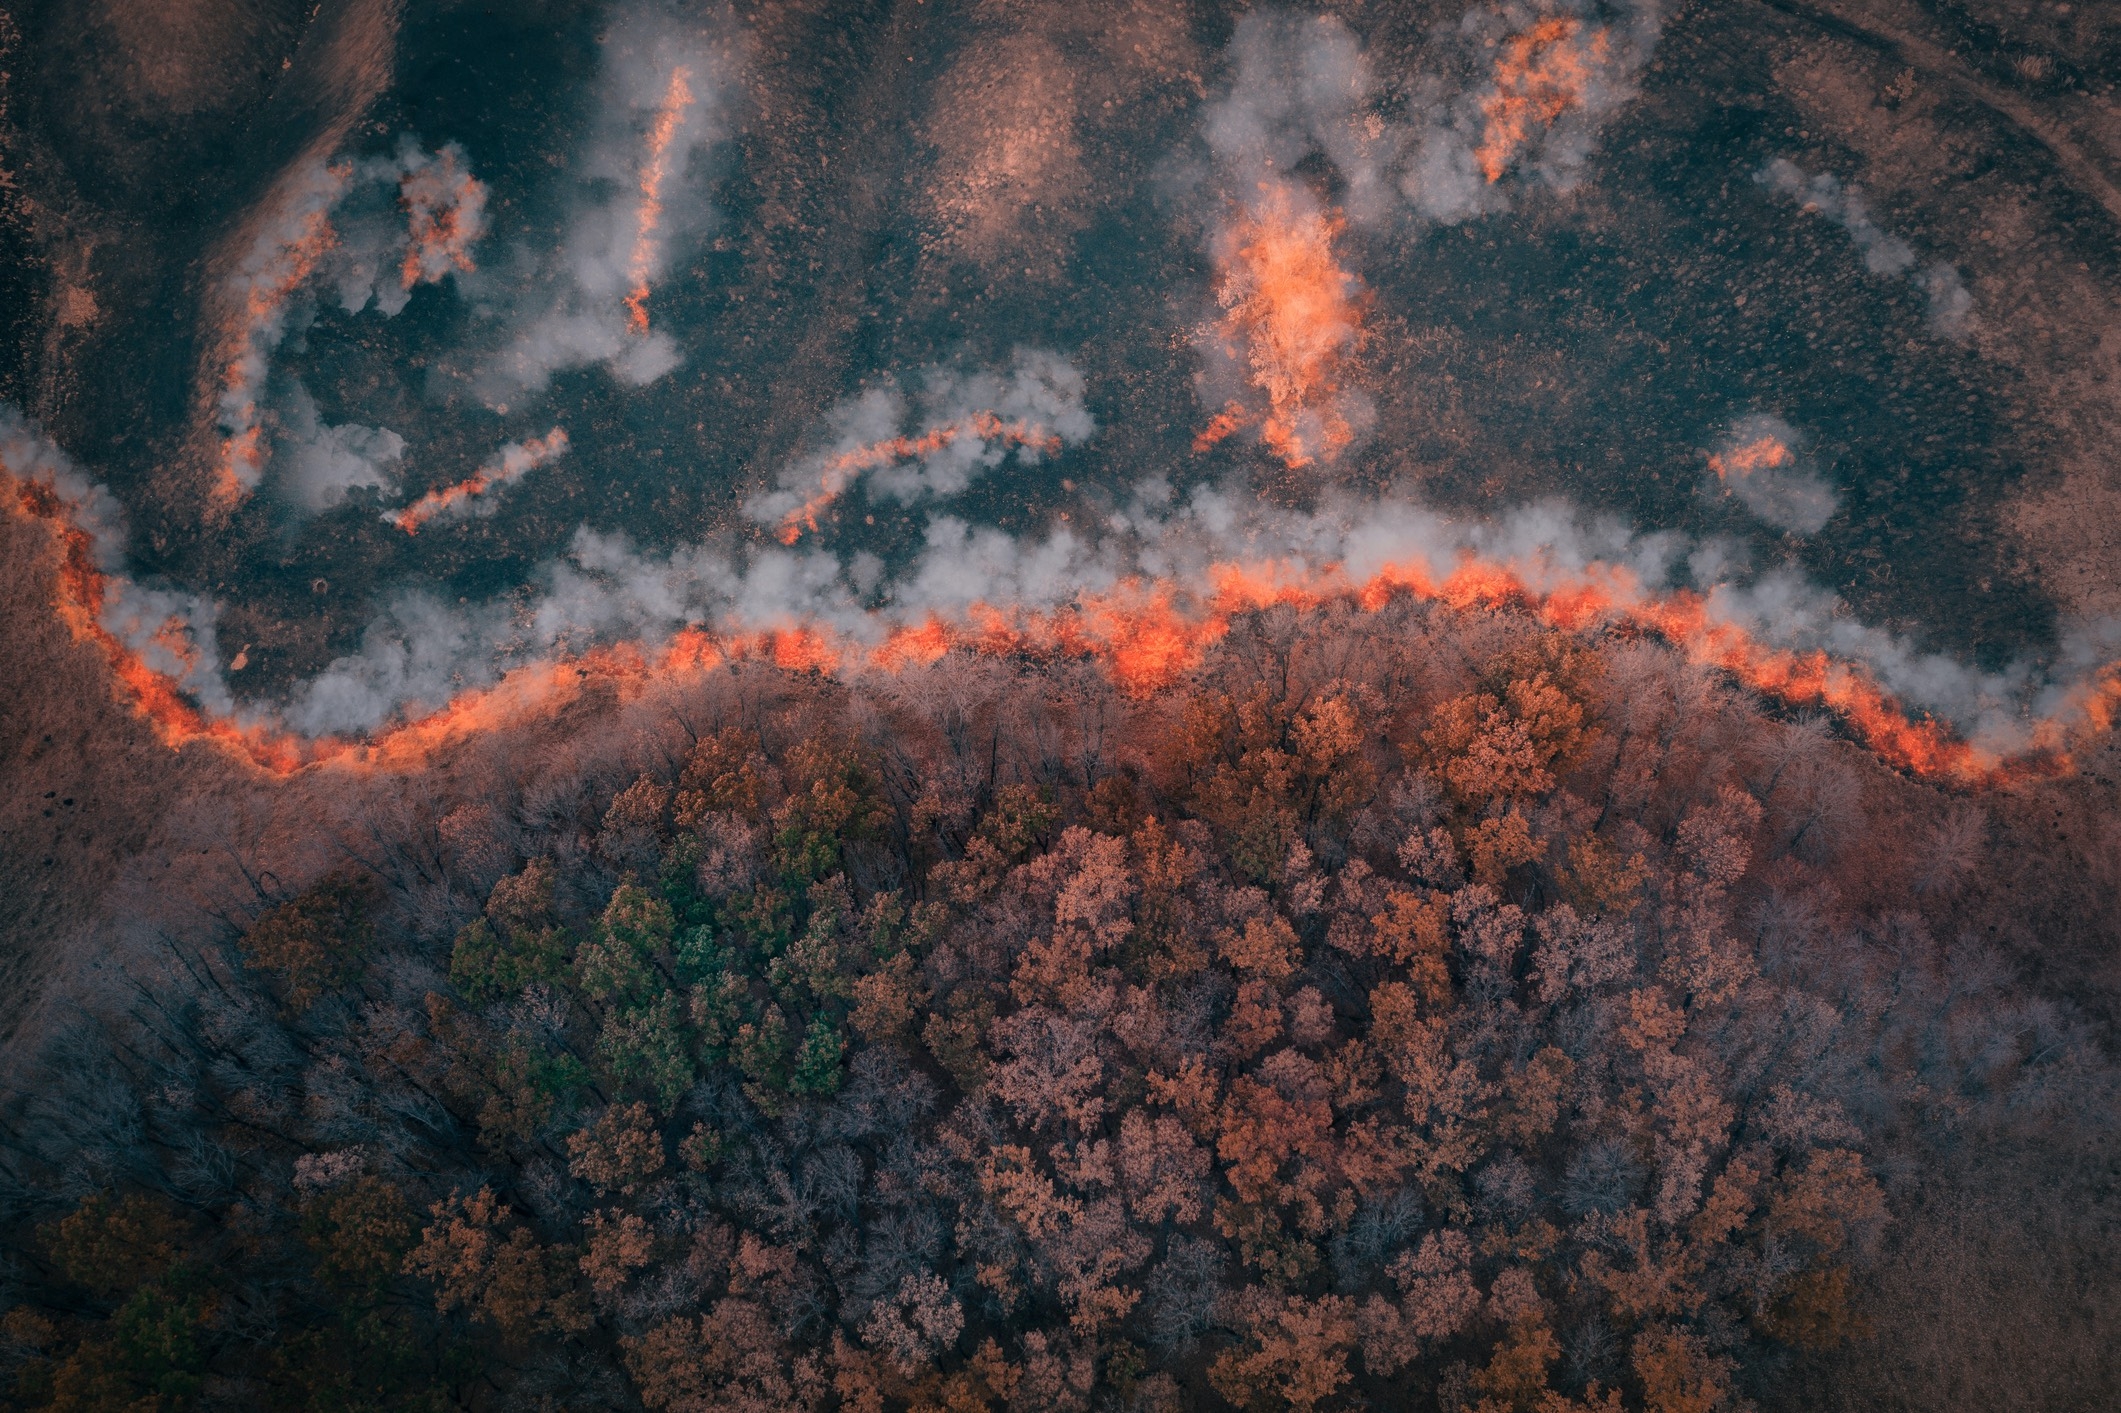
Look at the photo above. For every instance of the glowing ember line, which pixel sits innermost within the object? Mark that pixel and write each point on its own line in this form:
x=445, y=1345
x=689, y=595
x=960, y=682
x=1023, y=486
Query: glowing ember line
x=82, y=594
x=841, y=471
x=676, y=99
x=1231, y=419
x=279, y=262
x=1763, y=455
x=1147, y=633
x=514, y=462
x=1540, y=75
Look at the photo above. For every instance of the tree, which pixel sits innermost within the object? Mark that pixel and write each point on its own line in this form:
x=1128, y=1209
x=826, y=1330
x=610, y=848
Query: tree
x=318, y=940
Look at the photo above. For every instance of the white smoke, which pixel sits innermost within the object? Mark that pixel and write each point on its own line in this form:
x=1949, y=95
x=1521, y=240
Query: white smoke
x=1761, y=461
x=404, y=220
x=606, y=591
x=1424, y=145
x=369, y=230
x=570, y=310
x=421, y=650
x=958, y=426
x=1951, y=304
x=415, y=655
x=171, y=630
x=318, y=464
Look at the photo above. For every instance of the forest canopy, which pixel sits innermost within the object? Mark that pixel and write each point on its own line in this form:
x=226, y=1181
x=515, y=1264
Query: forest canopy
x=1420, y=1008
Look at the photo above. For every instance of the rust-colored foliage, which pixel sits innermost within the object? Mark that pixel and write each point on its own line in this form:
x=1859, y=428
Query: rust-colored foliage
x=318, y=940
x=1347, y=1029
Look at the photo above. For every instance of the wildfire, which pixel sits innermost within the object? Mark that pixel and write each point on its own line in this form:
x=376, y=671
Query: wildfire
x=654, y=171
x=1231, y=419
x=83, y=593
x=281, y=259
x=445, y=212
x=1148, y=633
x=1541, y=74
x=1763, y=455
x=514, y=462
x=1291, y=317
x=844, y=469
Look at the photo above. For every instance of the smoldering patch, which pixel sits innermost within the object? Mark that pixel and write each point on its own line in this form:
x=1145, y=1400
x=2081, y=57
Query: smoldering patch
x=1279, y=358
x=1761, y=462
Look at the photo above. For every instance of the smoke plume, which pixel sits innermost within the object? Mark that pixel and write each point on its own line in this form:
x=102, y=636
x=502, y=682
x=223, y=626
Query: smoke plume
x=1761, y=462
x=959, y=426
x=1951, y=305
x=666, y=90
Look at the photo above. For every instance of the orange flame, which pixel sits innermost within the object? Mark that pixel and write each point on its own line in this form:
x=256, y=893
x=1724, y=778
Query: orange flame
x=265, y=296
x=1762, y=455
x=1232, y=418
x=840, y=472
x=676, y=99
x=513, y=463
x=1291, y=315
x=80, y=596
x=1149, y=634
x=445, y=211
x=1540, y=75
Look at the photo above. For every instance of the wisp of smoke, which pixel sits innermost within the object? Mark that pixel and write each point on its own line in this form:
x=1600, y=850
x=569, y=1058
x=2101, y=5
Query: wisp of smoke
x=1761, y=462
x=332, y=222
x=321, y=463
x=1951, y=304
x=667, y=89
x=967, y=423
x=470, y=496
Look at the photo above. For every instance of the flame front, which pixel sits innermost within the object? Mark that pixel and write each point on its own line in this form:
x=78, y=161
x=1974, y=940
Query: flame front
x=842, y=470
x=1541, y=74
x=1291, y=318
x=654, y=172
x=1764, y=454
x=281, y=260
x=513, y=463
x=1147, y=633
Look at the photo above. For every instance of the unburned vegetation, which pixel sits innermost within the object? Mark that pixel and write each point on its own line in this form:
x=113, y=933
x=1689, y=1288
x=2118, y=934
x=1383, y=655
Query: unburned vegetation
x=1415, y=1009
